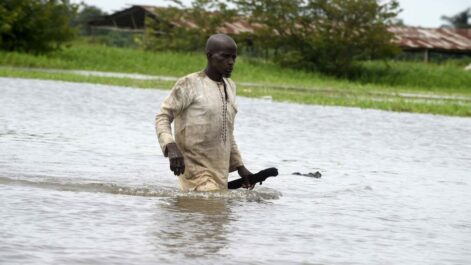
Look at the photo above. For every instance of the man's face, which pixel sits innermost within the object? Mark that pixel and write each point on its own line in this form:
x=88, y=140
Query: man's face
x=223, y=60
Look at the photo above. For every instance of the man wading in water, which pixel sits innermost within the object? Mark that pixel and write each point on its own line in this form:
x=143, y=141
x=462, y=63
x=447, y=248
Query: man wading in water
x=202, y=104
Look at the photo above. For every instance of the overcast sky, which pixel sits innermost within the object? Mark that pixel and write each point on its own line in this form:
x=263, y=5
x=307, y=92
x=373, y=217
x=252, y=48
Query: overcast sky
x=424, y=13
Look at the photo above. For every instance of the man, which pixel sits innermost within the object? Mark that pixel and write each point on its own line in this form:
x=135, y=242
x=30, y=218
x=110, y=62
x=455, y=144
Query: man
x=202, y=104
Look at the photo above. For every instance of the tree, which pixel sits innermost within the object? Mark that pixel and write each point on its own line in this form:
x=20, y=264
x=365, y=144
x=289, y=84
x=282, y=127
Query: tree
x=326, y=35
x=460, y=20
x=85, y=14
x=35, y=25
x=186, y=28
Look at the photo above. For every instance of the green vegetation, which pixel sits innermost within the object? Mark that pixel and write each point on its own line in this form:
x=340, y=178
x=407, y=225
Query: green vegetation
x=377, y=85
x=128, y=82
x=323, y=35
x=103, y=58
x=462, y=20
x=327, y=36
x=347, y=32
x=85, y=13
x=35, y=26
x=448, y=77
x=375, y=75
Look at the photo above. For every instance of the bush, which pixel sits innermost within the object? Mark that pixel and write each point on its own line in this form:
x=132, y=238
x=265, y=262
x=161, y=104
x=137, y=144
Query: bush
x=326, y=35
x=175, y=30
x=85, y=14
x=35, y=26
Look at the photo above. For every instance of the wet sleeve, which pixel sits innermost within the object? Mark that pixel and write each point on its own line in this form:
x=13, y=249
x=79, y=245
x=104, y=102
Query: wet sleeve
x=235, y=159
x=179, y=99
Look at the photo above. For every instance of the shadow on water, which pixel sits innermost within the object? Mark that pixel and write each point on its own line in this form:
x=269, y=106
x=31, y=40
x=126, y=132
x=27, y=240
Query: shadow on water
x=193, y=227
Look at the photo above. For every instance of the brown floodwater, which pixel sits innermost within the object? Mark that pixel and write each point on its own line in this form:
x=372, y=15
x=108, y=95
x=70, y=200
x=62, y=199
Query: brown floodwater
x=83, y=181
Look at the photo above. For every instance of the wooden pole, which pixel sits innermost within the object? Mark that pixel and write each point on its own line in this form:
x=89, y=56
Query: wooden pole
x=426, y=55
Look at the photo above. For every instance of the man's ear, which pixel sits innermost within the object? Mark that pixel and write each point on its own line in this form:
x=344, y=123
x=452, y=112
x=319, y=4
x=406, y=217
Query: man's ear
x=208, y=55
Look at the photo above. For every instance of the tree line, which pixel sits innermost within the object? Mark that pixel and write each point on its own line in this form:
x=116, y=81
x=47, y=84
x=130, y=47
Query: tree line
x=40, y=26
x=35, y=25
x=321, y=35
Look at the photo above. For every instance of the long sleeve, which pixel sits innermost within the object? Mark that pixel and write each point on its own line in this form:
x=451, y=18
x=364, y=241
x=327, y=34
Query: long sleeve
x=235, y=158
x=180, y=97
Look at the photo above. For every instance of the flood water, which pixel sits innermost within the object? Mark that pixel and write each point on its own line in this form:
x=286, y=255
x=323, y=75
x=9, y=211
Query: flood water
x=83, y=181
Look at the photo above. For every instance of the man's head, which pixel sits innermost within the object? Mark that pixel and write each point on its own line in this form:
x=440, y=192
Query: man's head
x=221, y=52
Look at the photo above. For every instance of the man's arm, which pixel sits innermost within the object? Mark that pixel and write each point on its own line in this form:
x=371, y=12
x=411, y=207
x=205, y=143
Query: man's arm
x=235, y=161
x=237, y=164
x=180, y=97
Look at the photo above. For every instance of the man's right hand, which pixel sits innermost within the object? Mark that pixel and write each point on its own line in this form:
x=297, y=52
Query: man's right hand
x=177, y=164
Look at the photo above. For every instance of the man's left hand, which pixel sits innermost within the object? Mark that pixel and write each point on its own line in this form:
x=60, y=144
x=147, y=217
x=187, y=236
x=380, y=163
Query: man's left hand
x=245, y=173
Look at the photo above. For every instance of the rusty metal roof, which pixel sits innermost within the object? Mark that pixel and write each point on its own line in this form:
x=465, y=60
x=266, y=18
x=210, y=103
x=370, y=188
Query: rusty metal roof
x=408, y=38
x=238, y=27
x=445, y=39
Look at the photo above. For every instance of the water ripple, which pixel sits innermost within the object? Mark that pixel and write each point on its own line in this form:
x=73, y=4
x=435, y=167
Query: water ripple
x=143, y=191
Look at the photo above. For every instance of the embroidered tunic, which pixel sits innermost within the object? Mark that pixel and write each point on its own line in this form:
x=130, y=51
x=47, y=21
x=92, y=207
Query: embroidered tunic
x=203, y=115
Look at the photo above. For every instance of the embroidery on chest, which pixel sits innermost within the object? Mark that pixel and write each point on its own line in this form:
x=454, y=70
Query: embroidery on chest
x=223, y=96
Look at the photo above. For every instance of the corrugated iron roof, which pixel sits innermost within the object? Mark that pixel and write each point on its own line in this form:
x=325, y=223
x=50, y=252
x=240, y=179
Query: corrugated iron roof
x=458, y=40
x=238, y=27
x=444, y=39
x=434, y=39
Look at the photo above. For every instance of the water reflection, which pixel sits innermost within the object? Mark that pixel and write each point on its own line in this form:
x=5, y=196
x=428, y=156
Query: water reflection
x=193, y=227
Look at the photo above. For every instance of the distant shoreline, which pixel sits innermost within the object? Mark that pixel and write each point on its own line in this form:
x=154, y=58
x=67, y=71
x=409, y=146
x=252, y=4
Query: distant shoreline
x=435, y=89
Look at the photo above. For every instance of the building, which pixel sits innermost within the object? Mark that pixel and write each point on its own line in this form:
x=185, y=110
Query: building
x=425, y=41
x=422, y=42
x=130, y=19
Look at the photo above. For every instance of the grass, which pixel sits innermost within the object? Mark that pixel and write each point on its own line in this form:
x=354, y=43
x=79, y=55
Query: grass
x=24, y=73
x=416, y=76
x=389, y=103
x=373, y=85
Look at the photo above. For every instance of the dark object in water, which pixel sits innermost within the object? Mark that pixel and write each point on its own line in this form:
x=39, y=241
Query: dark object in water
x=316, y=175
x=254, y=178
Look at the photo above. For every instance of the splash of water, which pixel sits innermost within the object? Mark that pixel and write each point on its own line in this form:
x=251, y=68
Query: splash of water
x=260, y=194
